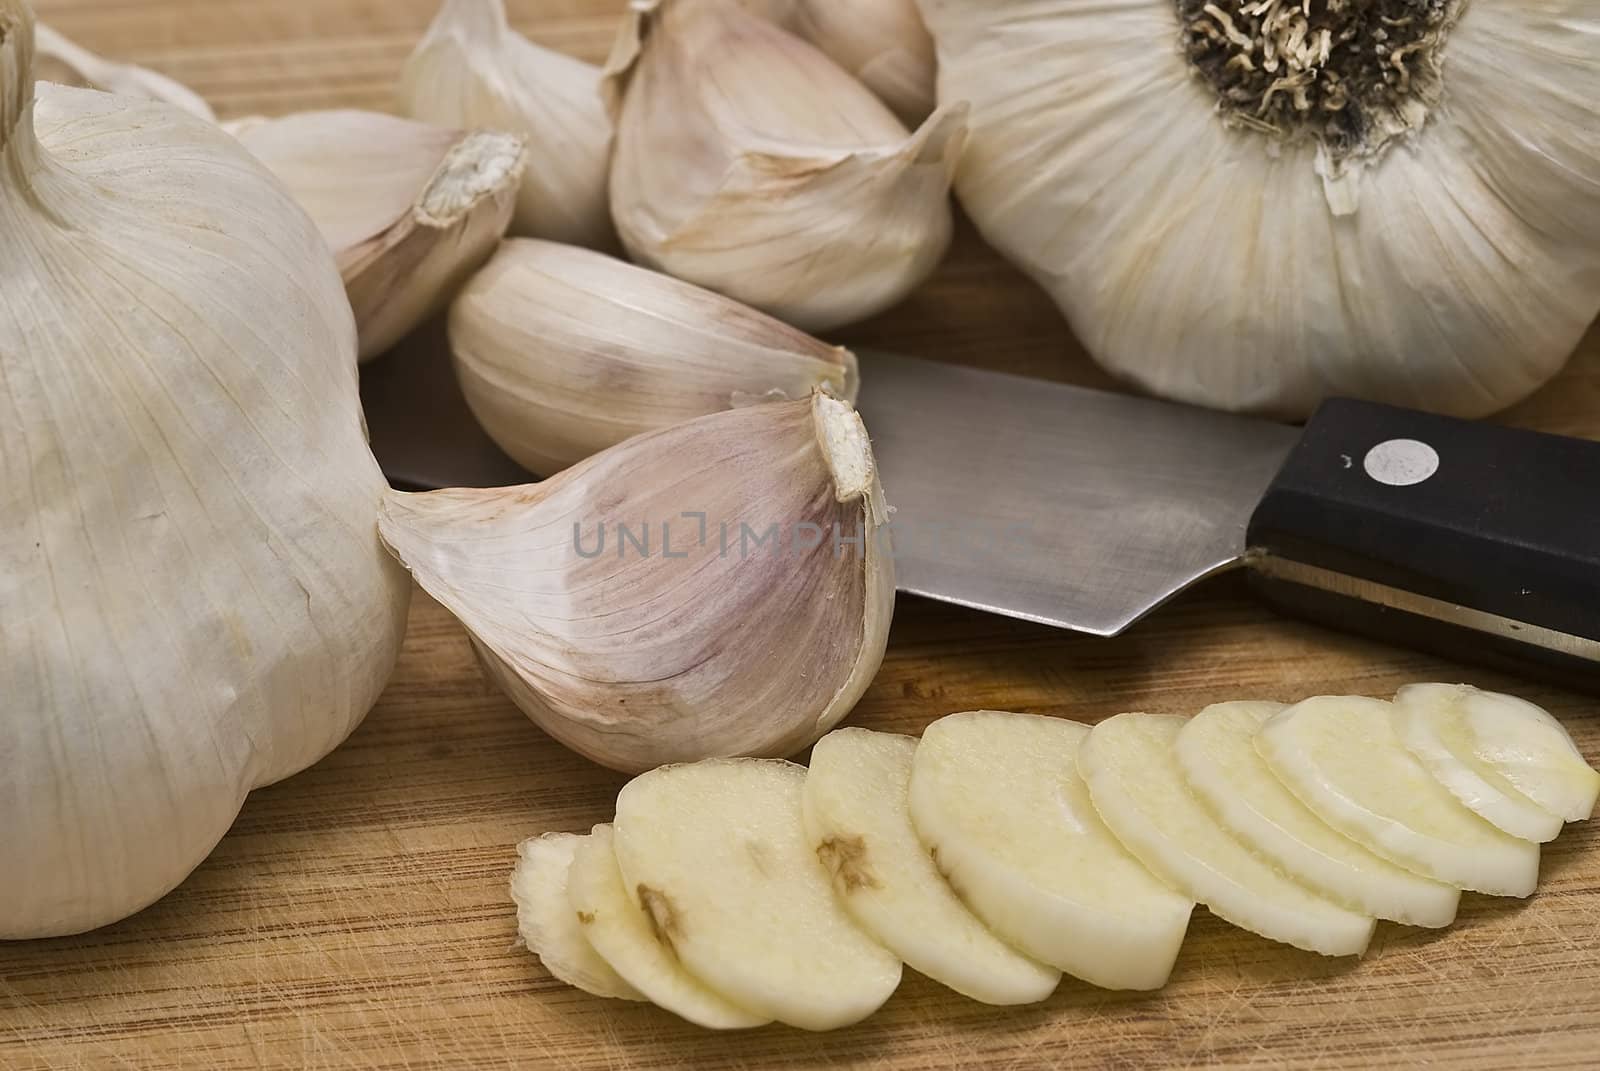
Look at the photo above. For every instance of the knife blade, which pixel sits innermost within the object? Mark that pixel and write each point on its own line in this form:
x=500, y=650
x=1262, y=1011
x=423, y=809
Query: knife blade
x=1086, y=510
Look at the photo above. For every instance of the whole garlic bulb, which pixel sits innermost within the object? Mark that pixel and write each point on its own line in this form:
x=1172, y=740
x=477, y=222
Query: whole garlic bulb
x=722, y=587
x=1256, y=205
x=196, y=599
x=750, y=163
x=471, y=70
x=562, y=352
x=882, y=42
x=59, y=59
x=410, y=209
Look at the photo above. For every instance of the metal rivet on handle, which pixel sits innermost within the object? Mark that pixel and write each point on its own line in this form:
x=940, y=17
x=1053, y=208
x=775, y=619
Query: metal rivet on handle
x=1401, y=462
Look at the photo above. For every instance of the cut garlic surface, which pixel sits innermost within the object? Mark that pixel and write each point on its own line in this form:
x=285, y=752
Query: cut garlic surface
x=563, y=352
x=722, y=587
x=1506, y=759
x=750, y=163
x=858, y=820
x=1217, y=753
x=471, y=70
x=410, y=209
x=1138, y=788
x=1342, y=757
x=550, y=926
x=634, y=931
x=717, y=853
x=998, y=798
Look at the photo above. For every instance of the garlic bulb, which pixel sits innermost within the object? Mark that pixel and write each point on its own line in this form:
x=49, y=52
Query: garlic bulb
x=562, y=352
x=410, y=209
x=196, y=600
x=722, y=587
x=473, y=70
x=882, y=42
x=750, y=163
x=58, y=59
x=1256, y=205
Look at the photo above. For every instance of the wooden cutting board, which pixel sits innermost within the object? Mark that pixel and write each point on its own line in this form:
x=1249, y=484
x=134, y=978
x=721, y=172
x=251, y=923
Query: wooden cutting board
x=357, y=915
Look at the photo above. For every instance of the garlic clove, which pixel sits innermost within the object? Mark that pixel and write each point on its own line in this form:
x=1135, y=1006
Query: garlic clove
x=472, y=70
x=686, y=594
x=562, y=352
x=61, y=60
x=410, y=209
x=750, y=163
x=882, y=42
x=195, y=600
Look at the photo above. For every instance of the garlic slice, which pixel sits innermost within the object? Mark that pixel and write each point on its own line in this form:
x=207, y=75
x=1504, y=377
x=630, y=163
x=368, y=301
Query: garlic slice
x=882, y=42
x=410, y=209
x=472, y=70
x=686, y=594
x=59, y=59
x=195, y=600
x=562, y=352
x=750, y=163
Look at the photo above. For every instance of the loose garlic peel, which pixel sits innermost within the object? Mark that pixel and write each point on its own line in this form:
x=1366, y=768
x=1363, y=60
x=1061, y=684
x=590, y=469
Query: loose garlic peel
x=472, y=70
x=563, y=352
x=1247, y=223
x=410, y=209
x=635, y=658
x=750, y=163
x=188, y=494
x=61, y=60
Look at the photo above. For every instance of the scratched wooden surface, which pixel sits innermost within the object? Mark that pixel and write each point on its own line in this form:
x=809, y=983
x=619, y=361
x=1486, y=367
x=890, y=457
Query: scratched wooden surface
x=357, y=915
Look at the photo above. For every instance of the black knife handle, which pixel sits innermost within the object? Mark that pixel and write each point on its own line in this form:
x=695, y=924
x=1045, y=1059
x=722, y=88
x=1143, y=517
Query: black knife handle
x=1472, y=540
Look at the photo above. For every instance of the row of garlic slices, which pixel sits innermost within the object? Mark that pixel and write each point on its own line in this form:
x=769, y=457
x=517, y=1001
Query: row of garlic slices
x=1002, y=850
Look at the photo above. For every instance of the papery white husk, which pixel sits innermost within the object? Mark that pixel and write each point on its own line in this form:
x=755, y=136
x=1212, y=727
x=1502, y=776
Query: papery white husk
x=562, y=352
x=410, y=209
x=1454, y=273
x=702, y=642
x=59, y=59
x=471, y=70
x=882, y=42
x=195, y=599
x=750, y=163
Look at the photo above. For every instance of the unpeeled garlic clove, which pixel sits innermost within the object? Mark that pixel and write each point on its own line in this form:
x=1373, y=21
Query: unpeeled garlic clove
x=562, y=352
x=750, y=163
x=410, y=209
x=882, y=42
x=673, y=632
x=61, y=60
x=472, y=70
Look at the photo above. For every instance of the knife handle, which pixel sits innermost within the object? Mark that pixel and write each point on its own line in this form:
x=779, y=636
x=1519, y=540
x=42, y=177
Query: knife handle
x=1475, y=541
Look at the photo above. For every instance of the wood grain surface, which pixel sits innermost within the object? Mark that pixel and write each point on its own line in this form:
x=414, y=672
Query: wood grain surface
x=357, y=916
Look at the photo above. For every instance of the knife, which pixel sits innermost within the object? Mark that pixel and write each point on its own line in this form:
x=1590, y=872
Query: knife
x=1086, y=510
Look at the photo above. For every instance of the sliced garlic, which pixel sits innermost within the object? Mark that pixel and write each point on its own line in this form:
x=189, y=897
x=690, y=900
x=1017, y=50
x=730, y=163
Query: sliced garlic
x=471, y=70
x=411, y=210
x=195, y=599
x=686, y=594
x=58, y=59
x=882, y=42
x=547, y=923
x=562, y=352
x=750, y=163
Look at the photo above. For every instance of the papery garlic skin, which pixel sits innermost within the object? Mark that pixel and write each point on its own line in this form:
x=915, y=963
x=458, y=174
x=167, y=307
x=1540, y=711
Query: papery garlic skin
x=882, y=42
x=683, y=642
x=749, y=163
x=562, y=352
x=1453, y=268
x=196, y=601
x=410, y=209
x=59, y=59
x=471, y=70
